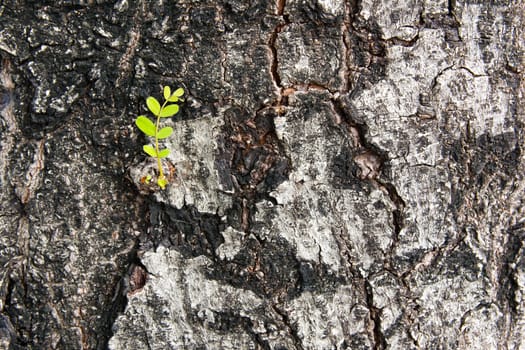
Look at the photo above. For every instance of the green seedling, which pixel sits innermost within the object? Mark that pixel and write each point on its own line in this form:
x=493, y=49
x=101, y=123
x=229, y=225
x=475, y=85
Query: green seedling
x=168, y=109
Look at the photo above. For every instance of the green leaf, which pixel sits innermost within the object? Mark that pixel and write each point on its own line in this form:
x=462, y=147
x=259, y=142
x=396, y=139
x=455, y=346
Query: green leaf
x=164, y=132
x=150, y=151
x=145, y=125
x=167, y=92
x=179, y=92
x=175, y=96
x=169, y=110
x=164, y=153
x=153, y=105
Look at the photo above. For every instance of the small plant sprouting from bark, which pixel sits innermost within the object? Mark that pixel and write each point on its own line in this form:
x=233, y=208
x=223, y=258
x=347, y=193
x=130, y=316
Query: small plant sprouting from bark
x=168, y=109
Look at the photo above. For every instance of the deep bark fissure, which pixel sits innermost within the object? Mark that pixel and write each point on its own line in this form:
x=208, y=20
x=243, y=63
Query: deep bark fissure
x=292, y=331
x=356, y=133
x=274, y=64
x=398, y=221
x=378, y=338
x=451, y=7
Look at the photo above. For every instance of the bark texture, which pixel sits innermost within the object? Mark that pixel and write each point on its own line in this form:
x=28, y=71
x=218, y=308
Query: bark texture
x=345, y=175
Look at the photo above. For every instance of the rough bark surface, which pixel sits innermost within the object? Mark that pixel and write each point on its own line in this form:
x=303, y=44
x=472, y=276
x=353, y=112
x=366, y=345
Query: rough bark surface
x=346, y=175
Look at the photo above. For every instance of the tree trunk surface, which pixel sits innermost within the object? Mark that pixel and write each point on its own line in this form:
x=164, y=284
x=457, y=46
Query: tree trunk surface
x=343, y=175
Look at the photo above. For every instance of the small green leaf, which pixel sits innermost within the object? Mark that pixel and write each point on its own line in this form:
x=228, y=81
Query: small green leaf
x=164, y=132
x=162, y=183
x=169, y=110
x=167, y=92
x=176, y=95
x=145, y=125
x=164, y=153
x=153, y=105
x=179, y=92
x=150, y=151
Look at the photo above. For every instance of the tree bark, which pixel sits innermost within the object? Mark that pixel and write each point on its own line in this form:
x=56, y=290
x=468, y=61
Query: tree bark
x=343, y=175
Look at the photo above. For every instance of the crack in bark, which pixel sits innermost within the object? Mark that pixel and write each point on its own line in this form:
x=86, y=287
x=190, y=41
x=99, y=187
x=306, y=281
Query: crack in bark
x=291, y=329
x=375, y=318
x=370, y=160
x=403, y=42
x=373, y=324
x=451, y=6
x=250, y=141
x=274, y=65
x=398, y=220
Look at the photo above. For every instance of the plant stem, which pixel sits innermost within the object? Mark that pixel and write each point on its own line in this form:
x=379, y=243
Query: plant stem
x=159, y=163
